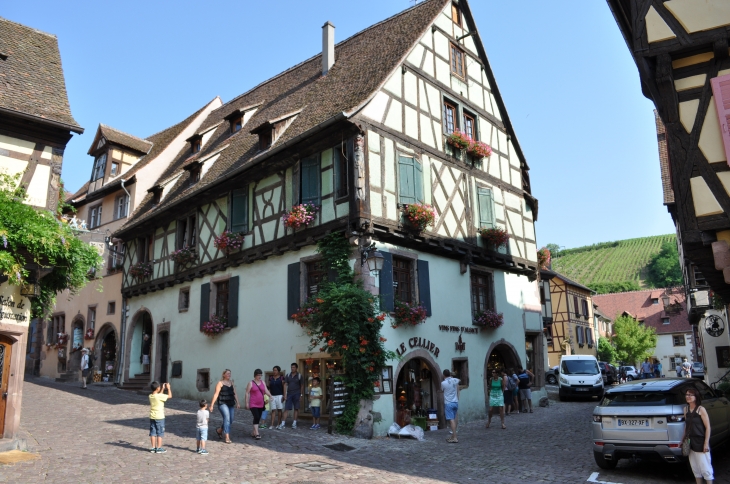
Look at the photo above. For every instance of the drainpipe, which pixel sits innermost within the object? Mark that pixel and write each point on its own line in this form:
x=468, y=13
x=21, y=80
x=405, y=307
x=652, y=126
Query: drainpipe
x=122, y=334
x=129, y=197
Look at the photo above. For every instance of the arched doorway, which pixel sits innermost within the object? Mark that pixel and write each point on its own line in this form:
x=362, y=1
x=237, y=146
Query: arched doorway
x=105, y=350
x=137, y=344
x=417, y=388
x=501, y=356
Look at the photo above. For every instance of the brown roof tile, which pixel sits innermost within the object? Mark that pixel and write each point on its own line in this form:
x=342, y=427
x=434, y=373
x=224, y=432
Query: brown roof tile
x=121, y=138
x=638, y=304
x=661, y=136
x=31, y=76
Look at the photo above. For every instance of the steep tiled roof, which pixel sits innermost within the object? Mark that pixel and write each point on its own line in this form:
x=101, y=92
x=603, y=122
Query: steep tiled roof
x=113, y=135
x=661, y=137
x=572, y=282
x=362, y=64
x=639, y=305
x=31, y=75
x=79, y=193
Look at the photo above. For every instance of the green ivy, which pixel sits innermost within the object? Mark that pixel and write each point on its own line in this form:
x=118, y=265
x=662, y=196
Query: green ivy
x=28, y=236
x=343, y=319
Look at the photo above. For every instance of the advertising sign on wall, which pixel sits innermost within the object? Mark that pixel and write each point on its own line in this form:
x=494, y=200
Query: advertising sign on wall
x=14, y=308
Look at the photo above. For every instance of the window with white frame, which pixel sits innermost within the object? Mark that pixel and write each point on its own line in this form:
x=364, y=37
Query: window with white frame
x=94, y=217
x=91, y=320
x=99, y=167
x=120, y=209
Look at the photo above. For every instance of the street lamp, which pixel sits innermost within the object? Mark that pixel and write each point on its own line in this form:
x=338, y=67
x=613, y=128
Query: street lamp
x=665, y=300
x=375, y=261
x=31, y=287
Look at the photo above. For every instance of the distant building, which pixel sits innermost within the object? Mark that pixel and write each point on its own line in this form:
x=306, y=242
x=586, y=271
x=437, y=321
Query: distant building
x=572, y=330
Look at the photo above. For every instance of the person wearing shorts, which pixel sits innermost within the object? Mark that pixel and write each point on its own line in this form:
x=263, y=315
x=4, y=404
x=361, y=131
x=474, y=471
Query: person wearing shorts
x=293, y=393
x=450, y=389
x=276, y=403
x=157, y=415
x=84, y=366
x=525, y=378
x=201, y=427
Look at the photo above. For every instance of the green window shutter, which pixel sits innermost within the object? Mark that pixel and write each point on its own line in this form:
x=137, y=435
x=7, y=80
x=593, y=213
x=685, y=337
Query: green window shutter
x=292, y=289
x=310, y=180
x=486, y=208
x=233, y=302
x=387, y=293
x=239, y=210
x=204, y=304
x=418, y=172
x=407, y=180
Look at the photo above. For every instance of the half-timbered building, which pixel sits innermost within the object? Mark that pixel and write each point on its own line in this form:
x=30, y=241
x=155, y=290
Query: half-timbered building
x=35, y=125
x=572, y=331
x=680, y=48
x=358, y=131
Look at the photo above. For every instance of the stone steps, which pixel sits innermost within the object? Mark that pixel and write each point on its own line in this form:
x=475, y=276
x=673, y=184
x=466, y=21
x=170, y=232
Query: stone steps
x=139, y=382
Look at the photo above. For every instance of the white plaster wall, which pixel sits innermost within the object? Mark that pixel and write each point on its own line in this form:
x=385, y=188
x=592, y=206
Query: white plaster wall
x=710, y=343
x=665, y=352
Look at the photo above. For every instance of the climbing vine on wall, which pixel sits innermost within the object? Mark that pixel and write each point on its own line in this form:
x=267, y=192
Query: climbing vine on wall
x=343, y=319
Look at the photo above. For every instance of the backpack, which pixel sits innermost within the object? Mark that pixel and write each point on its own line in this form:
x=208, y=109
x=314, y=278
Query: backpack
x=92, y=359
x=511, y=383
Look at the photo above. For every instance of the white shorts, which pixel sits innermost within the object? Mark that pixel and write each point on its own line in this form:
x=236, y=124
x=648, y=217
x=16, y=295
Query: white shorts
x=701, y=464
x=276, y=402
x=145, y=359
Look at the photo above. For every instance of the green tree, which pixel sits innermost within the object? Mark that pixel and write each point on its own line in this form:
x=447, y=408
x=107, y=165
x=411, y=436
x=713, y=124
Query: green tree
x=633, y=340
x=554, y=250
x=664, y=269
x=606, y=351
x=612, y=287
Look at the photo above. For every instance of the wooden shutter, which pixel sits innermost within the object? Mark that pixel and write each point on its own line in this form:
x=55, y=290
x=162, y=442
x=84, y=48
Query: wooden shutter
x=293, y=296
x=387, y=295
x=424, y=285
x=576, y=307
x=310, y=180
x=721, y=92
x=418, y=176
x=204, y=304
x=239, y=210
x=407, y=180
x=585, y=308
x=233, y=302
x=486, y=208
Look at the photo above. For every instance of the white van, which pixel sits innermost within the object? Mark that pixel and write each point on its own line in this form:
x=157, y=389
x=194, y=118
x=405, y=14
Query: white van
x=579, y=376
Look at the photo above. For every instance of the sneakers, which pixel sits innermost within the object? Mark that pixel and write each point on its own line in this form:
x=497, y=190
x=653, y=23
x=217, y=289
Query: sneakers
x=160, y=450
x=263, y=426
x=281, y=426
x=294, y=424
x=153, y=450
x=314, y=427
x=317, y=427
x=203, y=452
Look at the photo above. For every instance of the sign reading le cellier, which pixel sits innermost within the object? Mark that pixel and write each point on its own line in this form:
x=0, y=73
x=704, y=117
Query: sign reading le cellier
x=13, y=307
x=418, y=343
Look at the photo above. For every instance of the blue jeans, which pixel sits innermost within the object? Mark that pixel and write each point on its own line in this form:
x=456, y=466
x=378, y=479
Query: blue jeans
x=227, y=414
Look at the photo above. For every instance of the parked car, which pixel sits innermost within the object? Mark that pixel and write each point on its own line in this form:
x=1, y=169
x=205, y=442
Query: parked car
x=698, y=370
x=579, y=376
x=551, y=376
x=645, y=418
x=609, y=372
x=630, y=372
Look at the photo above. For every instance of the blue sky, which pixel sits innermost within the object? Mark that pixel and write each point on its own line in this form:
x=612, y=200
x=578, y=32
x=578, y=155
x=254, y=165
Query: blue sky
x=569, y=84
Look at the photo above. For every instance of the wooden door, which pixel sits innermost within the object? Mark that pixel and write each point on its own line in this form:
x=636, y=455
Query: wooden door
x=5, y=353
x=164, y=353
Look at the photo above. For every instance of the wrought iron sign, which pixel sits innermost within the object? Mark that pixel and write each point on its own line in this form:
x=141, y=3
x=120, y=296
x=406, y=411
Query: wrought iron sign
x=460, y=345
x=714, y=325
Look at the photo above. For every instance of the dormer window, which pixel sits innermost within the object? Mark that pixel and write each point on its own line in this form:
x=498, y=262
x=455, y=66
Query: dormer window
x=197, y=145
x=236, y=124
x=265, y=138
x=156, y=192
x=195, y=169
x=115, y=169
x=99, y=167
x=456, y=14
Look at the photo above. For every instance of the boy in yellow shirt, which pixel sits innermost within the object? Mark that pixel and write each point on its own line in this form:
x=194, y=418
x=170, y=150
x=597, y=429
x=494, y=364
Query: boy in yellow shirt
x=157, y=415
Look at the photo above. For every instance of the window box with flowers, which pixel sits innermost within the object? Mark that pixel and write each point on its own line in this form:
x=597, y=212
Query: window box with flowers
x=229, y=241
x=407, y=314
x=419, y=215
x=215, y=326
x=300, y=215
x=478, y=150
x=494, y=237
x=458, y=139
x=184, y=256
x=141, y=270
x=488, y=319
x=61, y=341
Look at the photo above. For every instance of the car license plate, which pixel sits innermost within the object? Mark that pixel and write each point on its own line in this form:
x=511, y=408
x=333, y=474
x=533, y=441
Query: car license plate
x=633, y=422
x=581, y=389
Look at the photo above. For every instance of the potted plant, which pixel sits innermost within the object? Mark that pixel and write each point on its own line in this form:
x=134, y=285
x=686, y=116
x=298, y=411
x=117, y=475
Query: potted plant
x=459, y=140
x=478, y=150
x=299, y=215
x=141, y=270
x=488, y=319
x=544, y=258
x=420, y=215
x=229, y=241
x=215, y=326
x=408, y=314
x=495, y=237
x=184, y=256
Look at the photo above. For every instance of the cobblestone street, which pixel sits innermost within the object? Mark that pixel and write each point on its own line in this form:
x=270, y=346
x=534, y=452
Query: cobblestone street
x=551, y=445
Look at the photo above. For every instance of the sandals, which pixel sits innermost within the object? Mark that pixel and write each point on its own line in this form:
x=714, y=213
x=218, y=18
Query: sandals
x=228, y=441
x=452, y=440
x=488, y=424
x=504, y=427
x=220, y=433
x=258, y=437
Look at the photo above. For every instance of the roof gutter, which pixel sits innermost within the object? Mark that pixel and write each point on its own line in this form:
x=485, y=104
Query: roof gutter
x=58, y=124
x=341, y=116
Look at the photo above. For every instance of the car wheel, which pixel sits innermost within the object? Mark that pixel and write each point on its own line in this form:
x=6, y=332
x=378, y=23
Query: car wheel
x=629, y=378
x=603, y=463
x=552, y=380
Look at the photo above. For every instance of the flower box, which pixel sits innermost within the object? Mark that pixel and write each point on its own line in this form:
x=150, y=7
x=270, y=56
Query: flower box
x=229, y=241
x=478, y=150
x=408, y=314
x=61, y=341
x=459, y=140
x=184, y=256
x=488, y=319
x=141, y=270
x=215, y=326
x=494, y=237
x=299, y=215
x=419, y=215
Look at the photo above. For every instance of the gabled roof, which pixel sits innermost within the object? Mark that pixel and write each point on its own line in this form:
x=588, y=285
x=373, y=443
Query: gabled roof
x=31, y=76
x=638, y=304
x=121, y=138
x=573, y=283
x=363, y=63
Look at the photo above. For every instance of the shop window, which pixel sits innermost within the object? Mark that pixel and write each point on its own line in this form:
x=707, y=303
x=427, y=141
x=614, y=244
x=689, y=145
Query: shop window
x=530, y=355
x=450, y=111
x=402, y=269
x=239, y=210
x=385, y=384
x=410, y=179
x=202, y=382
x=221, y=299
x=91, y=320
x=186, y=232
x=678, y=340
x=482, y=291
x=460, y=370
x=183, y=301
x=310, y=180
x=111, y=307
x=326, y=369
x=416, y=390
x=457, y=61
x=339, y=160
x=316, y=275
x=177, y=370
x=486, y=207
x=94, y=217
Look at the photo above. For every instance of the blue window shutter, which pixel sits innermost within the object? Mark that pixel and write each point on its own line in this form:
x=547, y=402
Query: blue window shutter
x=424, y=286
x=239, y=210
x=387, y=294
x=204, y=304
x=293, y=291
x=233, y=302
x=486, y=208
x=418, y=175
x=310, y=180
x=407, y=180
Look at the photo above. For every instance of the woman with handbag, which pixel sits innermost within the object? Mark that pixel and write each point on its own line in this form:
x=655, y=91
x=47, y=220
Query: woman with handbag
x=697, y=433
x=255, y=391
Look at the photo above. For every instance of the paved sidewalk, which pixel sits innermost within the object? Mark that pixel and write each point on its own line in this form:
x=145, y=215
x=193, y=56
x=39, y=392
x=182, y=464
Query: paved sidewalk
x=101, y=435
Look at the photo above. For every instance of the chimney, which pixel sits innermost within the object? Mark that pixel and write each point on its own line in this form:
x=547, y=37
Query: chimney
x=328, y=47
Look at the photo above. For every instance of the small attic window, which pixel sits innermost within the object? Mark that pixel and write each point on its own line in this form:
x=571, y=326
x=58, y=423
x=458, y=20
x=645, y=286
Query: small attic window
x=156, y=194
x=236, y=124
x=195, y=169
x=265, y=139
x=456, y=14
x=195, y=145
x=655, y=300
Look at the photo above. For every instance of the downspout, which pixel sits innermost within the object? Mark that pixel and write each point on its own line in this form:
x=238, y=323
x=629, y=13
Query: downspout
x=129, y=198
x=123, y=329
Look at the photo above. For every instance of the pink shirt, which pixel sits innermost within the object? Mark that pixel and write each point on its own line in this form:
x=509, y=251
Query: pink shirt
x=256, y=397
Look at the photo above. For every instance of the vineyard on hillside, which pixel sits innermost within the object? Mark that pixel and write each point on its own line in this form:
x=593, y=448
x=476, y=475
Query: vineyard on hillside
x=610, y=262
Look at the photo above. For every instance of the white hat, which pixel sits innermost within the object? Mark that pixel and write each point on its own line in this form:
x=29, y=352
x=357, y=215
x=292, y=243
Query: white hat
x=84, y=349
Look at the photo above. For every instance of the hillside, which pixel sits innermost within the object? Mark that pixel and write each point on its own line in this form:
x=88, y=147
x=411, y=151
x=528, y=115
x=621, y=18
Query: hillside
x=610, y=262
